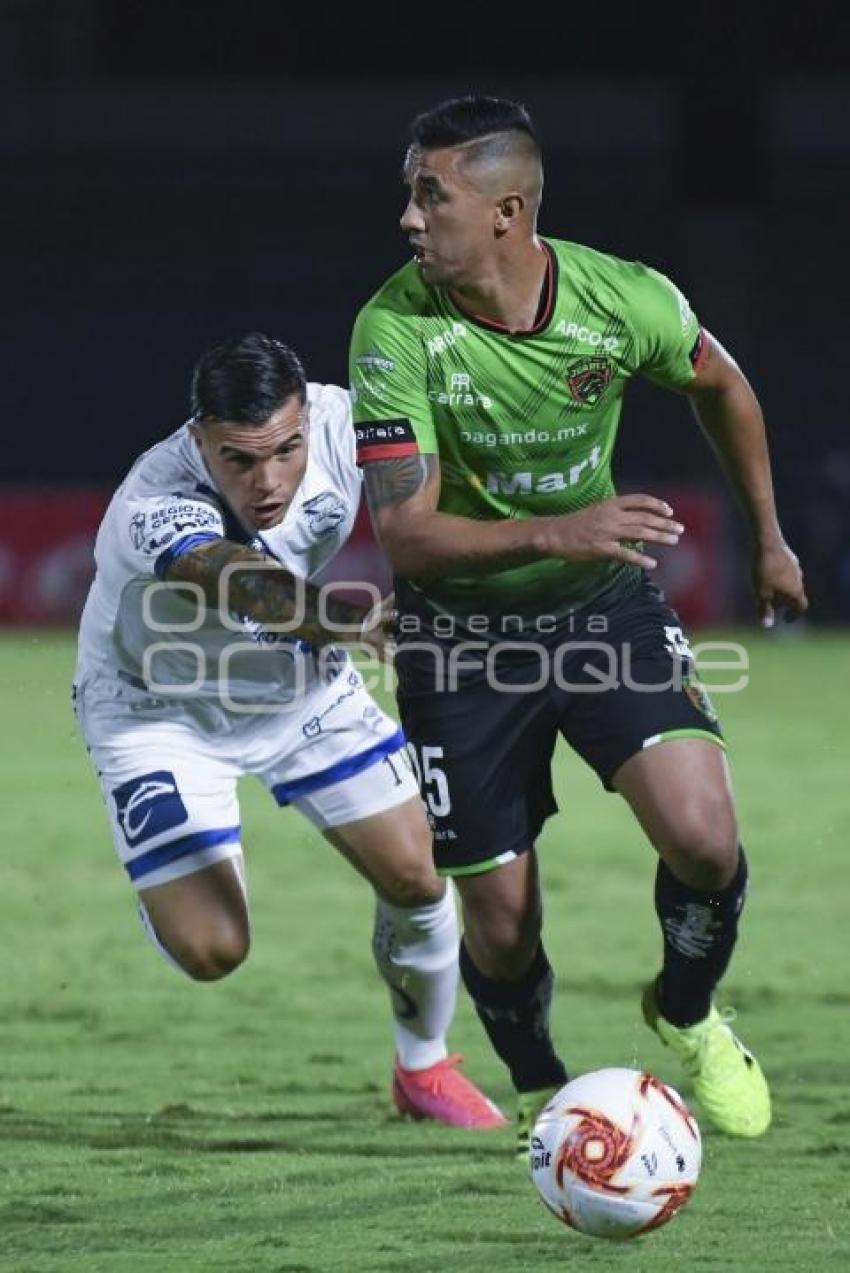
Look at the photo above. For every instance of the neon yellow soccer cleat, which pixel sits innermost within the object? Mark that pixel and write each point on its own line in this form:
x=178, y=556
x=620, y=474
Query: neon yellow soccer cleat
x=528, y=1106
x=728, y=1080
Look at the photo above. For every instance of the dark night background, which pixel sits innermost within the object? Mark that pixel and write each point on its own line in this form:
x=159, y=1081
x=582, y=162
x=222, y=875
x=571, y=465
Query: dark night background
x=173, y=174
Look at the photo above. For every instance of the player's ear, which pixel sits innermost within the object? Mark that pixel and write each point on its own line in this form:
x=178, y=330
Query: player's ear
x=508, y=212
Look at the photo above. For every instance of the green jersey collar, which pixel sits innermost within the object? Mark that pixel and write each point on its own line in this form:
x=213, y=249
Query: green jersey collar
x=545, y=310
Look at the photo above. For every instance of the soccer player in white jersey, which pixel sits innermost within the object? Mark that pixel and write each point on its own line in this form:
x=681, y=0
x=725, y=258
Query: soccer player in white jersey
x=205, y=653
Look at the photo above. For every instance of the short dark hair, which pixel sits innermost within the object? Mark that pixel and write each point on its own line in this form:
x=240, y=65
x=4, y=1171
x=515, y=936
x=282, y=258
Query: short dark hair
x=246, y=380
x=462, y=119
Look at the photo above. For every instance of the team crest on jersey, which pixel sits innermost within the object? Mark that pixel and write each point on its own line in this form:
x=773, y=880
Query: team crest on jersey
x=324, y=512
x=148, y=805
x=699, y=698
x=588, y=378
x=137, y=530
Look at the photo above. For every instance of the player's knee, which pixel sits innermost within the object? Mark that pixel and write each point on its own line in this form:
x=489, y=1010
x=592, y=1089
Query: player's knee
x=414, y=883
x=503, y=943
x=704, y=846
x=211, y=955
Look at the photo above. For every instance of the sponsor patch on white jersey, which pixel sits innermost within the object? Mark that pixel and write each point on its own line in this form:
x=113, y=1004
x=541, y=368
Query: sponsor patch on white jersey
x=170, y=518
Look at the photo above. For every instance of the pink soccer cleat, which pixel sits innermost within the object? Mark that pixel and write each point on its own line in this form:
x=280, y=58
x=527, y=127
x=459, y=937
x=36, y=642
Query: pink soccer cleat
x=442, y=1093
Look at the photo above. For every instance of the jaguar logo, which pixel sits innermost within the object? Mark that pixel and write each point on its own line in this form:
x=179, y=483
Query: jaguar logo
x=588, y=378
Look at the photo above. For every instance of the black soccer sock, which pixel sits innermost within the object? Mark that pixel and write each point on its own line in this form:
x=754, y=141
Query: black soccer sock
x=515, y=1015
x=700, y=929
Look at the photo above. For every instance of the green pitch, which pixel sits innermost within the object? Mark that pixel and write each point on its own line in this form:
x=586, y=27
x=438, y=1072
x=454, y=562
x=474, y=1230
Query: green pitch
x=151, y=1124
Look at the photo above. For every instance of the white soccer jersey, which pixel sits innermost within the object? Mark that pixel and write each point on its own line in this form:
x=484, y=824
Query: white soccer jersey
x=134, y=628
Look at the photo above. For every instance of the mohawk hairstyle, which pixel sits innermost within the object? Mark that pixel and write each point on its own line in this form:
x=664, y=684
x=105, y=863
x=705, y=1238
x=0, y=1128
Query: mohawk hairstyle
x=463, y=119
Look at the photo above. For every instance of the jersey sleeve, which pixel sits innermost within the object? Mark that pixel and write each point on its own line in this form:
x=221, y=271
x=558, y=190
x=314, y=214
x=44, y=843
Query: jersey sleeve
x=332, y=435
x=669, y=339
x=392, y=414
x=148, y=533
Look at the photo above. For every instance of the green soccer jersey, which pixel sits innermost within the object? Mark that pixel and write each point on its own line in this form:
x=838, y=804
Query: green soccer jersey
x=523, y=423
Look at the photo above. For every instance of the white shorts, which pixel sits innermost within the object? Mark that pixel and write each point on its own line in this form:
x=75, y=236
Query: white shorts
x=168, y=770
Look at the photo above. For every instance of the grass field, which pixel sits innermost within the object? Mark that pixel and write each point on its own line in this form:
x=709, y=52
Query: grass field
x=151, y=1124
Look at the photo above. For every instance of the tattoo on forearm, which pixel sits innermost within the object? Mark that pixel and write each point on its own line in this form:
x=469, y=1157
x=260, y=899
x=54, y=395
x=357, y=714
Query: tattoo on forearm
x=391, y=482
x=269, y=594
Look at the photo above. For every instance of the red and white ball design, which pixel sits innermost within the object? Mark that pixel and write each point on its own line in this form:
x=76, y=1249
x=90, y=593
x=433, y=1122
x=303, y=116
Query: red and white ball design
x=615, y=1153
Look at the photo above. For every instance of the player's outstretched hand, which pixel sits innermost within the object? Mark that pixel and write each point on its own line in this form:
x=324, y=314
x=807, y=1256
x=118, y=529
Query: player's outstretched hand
x=610, y=529
x=778, y=582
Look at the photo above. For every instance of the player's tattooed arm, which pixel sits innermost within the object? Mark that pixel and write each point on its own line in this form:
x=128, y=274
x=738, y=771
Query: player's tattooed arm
x=249, y=583
x=391, y=482
x=423, y=543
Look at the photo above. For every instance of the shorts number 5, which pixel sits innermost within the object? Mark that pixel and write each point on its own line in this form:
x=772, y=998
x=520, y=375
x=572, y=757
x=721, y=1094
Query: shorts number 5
x=432, y=780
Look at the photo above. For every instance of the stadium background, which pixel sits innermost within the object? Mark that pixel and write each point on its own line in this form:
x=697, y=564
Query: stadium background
x=175, y=173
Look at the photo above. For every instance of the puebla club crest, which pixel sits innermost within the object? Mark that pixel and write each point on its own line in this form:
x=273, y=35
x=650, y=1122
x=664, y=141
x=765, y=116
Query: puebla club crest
x=324, y=512
x=588, y=378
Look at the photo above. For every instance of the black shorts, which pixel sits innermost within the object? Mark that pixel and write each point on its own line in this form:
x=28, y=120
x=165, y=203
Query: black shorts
x=483, y=717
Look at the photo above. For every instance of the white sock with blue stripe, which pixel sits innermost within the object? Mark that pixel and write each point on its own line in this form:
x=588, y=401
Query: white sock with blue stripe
x=416, y=950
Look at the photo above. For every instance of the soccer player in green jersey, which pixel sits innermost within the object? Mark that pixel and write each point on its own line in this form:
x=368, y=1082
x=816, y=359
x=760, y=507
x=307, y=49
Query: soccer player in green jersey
x=488, y=377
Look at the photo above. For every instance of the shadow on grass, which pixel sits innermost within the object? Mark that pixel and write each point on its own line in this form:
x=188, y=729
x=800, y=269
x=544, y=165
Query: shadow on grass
x=183, y=1129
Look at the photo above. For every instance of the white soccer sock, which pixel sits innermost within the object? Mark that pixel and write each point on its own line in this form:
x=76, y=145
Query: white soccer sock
x=416, y=950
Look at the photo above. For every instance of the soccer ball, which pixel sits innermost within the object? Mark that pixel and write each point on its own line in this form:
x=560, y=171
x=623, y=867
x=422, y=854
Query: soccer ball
x=615, y=1153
